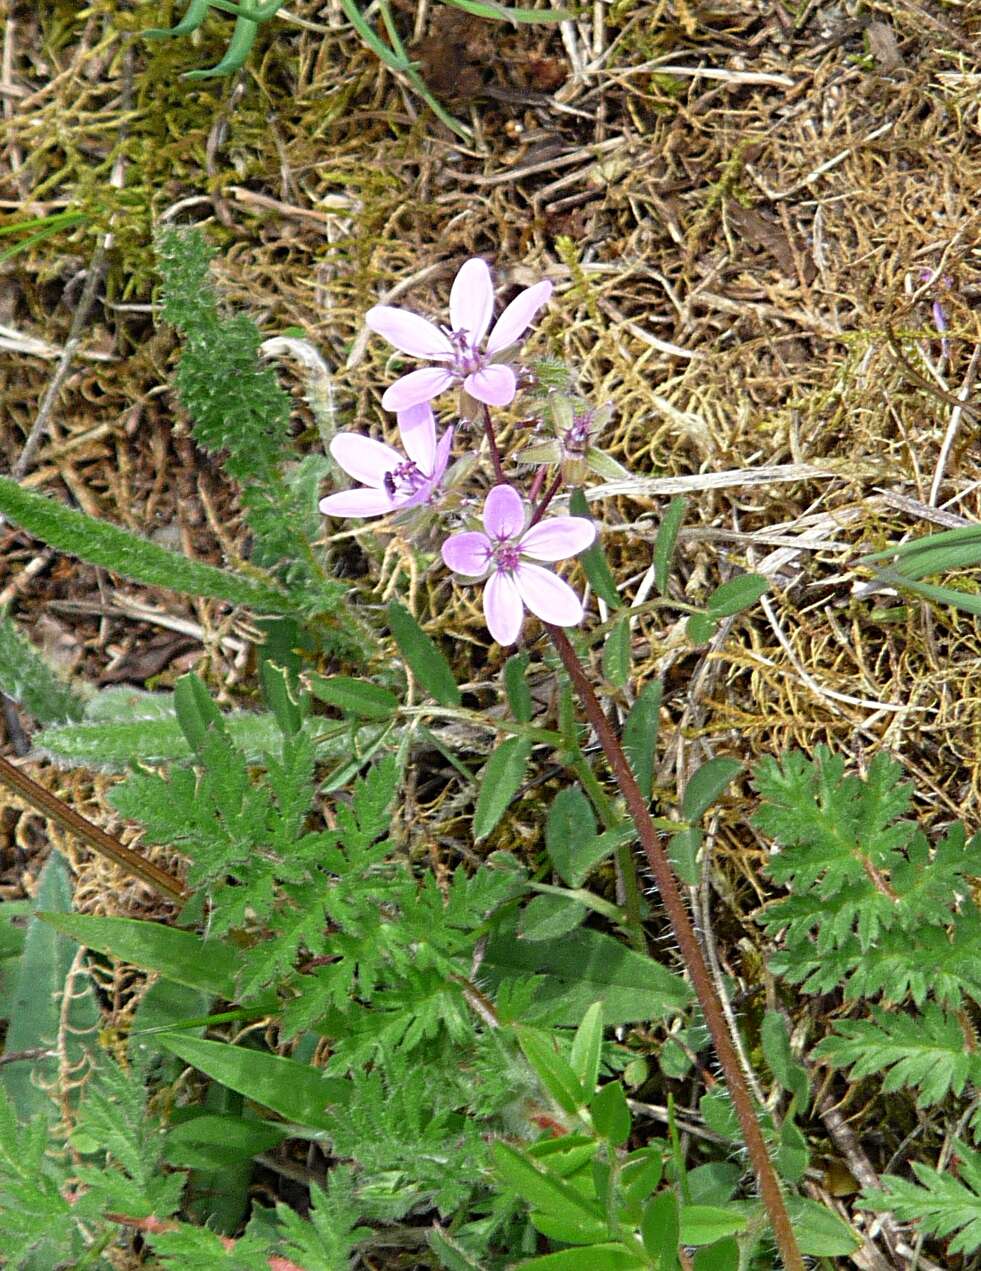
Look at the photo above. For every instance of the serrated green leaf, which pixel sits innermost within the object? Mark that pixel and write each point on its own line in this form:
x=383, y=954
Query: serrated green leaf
x=721, y=1256
x=706, y=784
x=516, y=687
x=719, y=1115
x=540, y=1188
x=428, y=665
x=572, y=1231
x=548, y=917
x=616, y=654
x=737, y=594
x=640, y=735
x=704, y=1224
x=587, y=1046
x=682, y=849
x=610, y=1114
x=27, y=679
x=584, y=967
x=701, y=627
x=452, y=1257
x=659, y=1229
x=356, y=697
x=570, y=836
x=664, y=542
x=213, y=1140
x=297, y=1092
x=821, y=1233
x=775, y=1038
x=196, y=713
x=500, y=781
x=554, y=1072
x=125, y=553
x=792, y=1156
x=279, y=695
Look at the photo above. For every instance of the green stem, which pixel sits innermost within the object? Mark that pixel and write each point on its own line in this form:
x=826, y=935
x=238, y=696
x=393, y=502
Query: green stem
x=691, y=952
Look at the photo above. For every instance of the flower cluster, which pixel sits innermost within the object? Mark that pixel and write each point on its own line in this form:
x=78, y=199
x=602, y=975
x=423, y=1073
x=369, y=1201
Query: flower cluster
x=483, y=371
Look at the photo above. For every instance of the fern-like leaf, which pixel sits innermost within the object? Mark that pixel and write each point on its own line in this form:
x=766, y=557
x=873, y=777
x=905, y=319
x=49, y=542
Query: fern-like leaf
x=941, y=1204
x=927, y=1052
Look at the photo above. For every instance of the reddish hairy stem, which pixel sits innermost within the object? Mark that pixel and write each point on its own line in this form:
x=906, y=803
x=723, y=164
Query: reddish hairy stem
x=494, y=452
x=547, y=498
x=691, y=952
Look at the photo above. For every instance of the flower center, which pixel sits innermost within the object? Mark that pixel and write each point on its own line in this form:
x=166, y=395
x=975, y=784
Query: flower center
x=576, y=438
x=466, y=358
x=404, y=480
x=507, y=556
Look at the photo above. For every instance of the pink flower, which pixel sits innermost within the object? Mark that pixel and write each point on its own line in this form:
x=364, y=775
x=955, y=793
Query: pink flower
x=390, y=481
x=513, y=583
x=454, y=349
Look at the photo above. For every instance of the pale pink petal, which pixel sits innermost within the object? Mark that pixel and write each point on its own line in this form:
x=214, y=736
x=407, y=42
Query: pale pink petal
x=467, y=553
x=408, y=332
x=364, y=458
x=493, y=385
x=502, y=608
x=557, y=538
x=417, y=428
x=517, y=317
x=548, y=596
x=472, y=299
x=443, y=449
x=416, y=387
x=362, y=502
x=504, y=512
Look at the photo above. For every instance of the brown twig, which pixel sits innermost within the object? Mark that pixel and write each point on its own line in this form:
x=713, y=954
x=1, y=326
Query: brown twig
x=98, y=840
x=691, y=952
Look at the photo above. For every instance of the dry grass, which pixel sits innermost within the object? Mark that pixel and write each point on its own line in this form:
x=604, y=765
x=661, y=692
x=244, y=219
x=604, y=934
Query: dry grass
x=748, y=217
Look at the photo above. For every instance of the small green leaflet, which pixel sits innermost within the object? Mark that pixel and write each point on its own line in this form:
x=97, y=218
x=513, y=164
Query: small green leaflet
x=426, y=662
x=706, y=784
x=296, y=1091
x=664, y=543
x=355, y=697
x=640, y=735
x=502, y=777
x=737, y=594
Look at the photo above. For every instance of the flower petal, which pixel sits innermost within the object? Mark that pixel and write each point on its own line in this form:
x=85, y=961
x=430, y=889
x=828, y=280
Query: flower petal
x=443, y=448
x=364, y=458
x=467, y=553
x=557, y=538
x=416, y=387
x=504, y=512
x=517, y=317
x=363, y=502
x=408, y=332
x=548, y=596
x=493, y=385
x=472, y=299
x=417, y=428
x=503, y=609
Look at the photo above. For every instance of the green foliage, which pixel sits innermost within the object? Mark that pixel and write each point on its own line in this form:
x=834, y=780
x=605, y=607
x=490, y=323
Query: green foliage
x=875, y=911
x=930, y=1052
x=932, y=554
x=237, y=408
x=872, y=908
x=125, y=553
x=27, y=679
x=942, y=1203
x=34, y=1007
